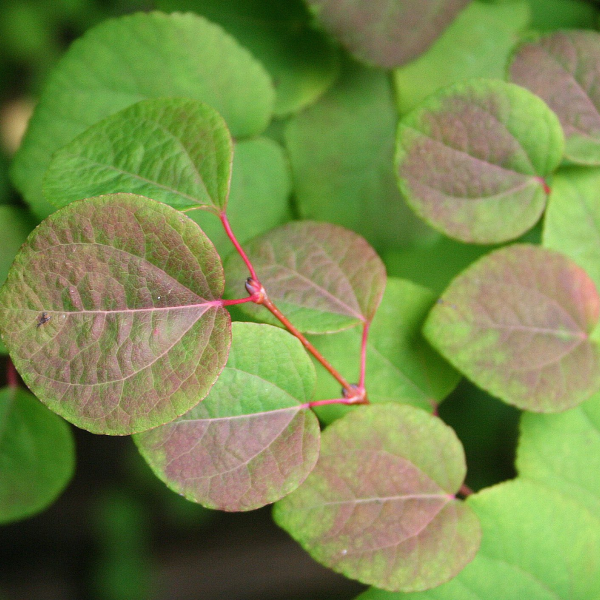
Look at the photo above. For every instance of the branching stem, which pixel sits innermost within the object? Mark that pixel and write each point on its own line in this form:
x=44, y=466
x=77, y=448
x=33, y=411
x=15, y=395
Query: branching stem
x=231, y=236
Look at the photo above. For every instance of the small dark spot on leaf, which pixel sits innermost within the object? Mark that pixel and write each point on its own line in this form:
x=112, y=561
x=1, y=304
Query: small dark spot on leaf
x=43, y=319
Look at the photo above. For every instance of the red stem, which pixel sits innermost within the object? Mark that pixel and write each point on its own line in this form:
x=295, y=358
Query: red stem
x=12, y=378
x=234, y=241
x=363, y=355
x=465, y=491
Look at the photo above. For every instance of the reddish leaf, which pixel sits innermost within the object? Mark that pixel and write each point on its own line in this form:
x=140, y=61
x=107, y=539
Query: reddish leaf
x=472, y=157
x=111, y=313
x=518, y=323
x=379, y=506
x=387, y=33
x=323, y=277
x=563, y=69
x=250, y=442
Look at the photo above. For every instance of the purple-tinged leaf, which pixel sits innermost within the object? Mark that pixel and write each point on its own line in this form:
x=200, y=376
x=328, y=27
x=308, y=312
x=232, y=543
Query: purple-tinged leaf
x=387, y=33
x=379, y=506
x=251, y=441
x=323, y=277
x=472, y=157
x=563, y=69
x=37, y=455
x=111, y=313
x=174, y=150
x=517, y=323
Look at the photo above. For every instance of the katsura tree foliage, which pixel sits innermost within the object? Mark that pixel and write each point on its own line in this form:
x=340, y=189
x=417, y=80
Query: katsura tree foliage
x=160, y=161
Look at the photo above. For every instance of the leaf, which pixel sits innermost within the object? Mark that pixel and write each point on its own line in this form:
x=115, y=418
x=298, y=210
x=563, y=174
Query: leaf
x=259, y=199
x=111, y=314
x=557, y=14
x=132, y=58
x=387, y=33
x=562, y=451
x=562, y=68
x=517, y=323
x=300, y=59
x=536, y=544
x=321, y=276
x=341, y=152
x=252, y=440
x=476, y=44
x=401, y=365
x=37, y=455
x=472, y=157
x=173, y=150
x=572, y=220
x=379, y=505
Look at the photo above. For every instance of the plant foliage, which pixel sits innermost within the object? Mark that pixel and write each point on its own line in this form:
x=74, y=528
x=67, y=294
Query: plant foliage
x=251, y=122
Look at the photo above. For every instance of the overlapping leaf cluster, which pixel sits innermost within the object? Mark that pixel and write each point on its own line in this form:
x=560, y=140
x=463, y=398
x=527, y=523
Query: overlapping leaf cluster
x=156, y=123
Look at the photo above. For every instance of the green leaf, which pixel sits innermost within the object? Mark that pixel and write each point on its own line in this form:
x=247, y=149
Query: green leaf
x=572, y=220
x=252, y=440
x=379, y=506
x=557, y=14
x=472, y=157
x=123, y=61
x=111, y=314
x=300, y=60
x=517, y=323
x=562, y=68
x=536, y=544
x=562, y=451
x=401, y=366
x=387, y=33
x=341, y=152
x=37, y=455
x=259, y=196
x=476, y=44
x=322, y=277
x=174, y=150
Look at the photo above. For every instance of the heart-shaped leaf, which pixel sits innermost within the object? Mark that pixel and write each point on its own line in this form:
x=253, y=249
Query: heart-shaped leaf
x=517, y=323
x=563, y=451
x=536, y=545
x=386, y=33
x=111, y=313
x=342, y=153
x=572, y=219
x=301, y=60
x=253, y=439
x=379, y=506
x=132, y=58
x=322, y=277
x=562, y=68
x=476, y=44
x=401, y=366
x=472, y=157
x=174, y=150
x=37, y=455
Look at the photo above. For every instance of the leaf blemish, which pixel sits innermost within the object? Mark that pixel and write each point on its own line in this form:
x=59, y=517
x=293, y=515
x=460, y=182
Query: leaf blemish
x=43, y=319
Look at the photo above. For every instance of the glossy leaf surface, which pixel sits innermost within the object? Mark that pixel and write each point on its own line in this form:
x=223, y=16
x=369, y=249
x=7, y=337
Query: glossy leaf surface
x=250, y=441
x=401, y=366
x=123, y=61
x=386, y=33
x=37, y=455
x=111, y=313
x=562, y=68
x=342, y=151
x=321, y=276
x=562, y=451
x=518, y=323
x=472, y=157
x=173, y=150
x=476, y=44
x=299, y=58
x=259, y=198
x=572, y=220
x=379, y=506
x=536, y=544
